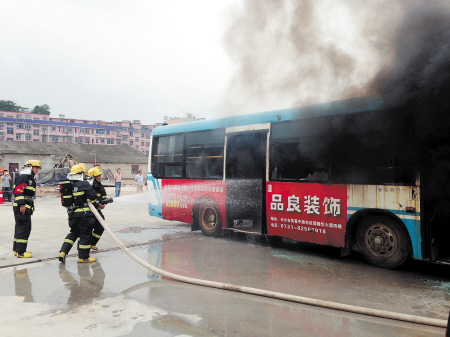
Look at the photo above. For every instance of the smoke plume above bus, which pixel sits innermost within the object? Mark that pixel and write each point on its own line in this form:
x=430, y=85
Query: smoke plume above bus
x=292, y=53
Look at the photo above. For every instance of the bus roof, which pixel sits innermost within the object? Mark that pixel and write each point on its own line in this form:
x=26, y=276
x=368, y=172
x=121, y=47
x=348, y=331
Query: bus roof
x=347, y=106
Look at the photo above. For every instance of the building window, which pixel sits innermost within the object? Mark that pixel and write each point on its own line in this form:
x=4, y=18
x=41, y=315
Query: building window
x=2, y=135
x=27, y=117
x=19, y=126
x=131, y=133
x=1, y=114
x=142, y=135
x=119, y=142
x=28, y=136
x=53, y=128
x=35, y=125
x=44, y=138
x=44, y=118
x=9, y=131
x=147, y=143
x=9, y=124
x=85, y=122
x=19, y=116
x=142, y=143
x=79, y=140
x=137, y=139
x=55, y=138
x=69, y=129
x=131, y=142
x=119, y=133
x=35, y=132
x=35, y=140
x=2, y=125
x=110, y=141
x=108, y=132
x=27, y=126
x=100, y=131
x=18, y=136
x=134, y=169
x=124, y=137
x=69, y=140
x=102, y=140
x=35, y=118
x=86, y=140
x=96, y=141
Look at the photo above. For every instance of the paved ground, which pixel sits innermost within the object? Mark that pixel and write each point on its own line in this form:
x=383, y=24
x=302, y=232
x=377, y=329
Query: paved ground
x=117, y=297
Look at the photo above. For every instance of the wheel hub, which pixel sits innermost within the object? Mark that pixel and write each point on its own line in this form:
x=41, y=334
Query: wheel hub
x=381, y=240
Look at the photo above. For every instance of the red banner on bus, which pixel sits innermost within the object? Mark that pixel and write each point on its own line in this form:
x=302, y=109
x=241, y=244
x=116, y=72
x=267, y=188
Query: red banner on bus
x=307, y=212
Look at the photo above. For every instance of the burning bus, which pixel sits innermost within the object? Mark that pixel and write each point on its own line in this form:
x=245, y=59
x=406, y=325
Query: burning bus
x=347, y=174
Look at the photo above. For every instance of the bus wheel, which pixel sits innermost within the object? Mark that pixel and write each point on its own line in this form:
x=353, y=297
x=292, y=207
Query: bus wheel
x=382, y=242
x=209, y=220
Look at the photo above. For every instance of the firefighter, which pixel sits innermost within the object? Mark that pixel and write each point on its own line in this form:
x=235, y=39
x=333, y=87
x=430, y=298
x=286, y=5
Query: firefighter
x=23, y=206
x=81, y=219
x=96, y=173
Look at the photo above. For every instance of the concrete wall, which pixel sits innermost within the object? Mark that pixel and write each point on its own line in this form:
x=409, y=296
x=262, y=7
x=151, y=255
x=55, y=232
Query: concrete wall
x=124, y=167
x=5, y=159
x=49, y=161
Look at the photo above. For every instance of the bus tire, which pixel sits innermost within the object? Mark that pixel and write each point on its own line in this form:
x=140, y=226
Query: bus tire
x=382, y=241
x=209, y=219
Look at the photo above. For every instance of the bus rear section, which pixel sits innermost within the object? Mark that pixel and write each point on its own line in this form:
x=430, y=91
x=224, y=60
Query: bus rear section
x=329, y=178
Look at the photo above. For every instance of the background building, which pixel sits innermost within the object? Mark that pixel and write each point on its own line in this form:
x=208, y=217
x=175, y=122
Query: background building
x=13, y=155
x=29, y=127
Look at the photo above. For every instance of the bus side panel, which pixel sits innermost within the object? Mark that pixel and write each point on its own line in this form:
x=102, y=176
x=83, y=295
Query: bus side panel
x=179, y=195
x=394, y=199
x=154, y=195
x=307, y=212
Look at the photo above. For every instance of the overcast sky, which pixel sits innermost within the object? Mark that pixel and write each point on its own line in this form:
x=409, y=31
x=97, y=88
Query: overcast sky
x=115, y=60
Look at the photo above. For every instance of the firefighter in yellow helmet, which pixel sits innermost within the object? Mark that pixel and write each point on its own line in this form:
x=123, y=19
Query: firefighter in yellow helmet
x=23, y=206
x=96, y=173
x=81, y=219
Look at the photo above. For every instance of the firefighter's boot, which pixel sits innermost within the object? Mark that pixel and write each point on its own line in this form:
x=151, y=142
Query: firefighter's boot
x=89, y=259
x=24, y=255
x=62, y=257
x=94, y=247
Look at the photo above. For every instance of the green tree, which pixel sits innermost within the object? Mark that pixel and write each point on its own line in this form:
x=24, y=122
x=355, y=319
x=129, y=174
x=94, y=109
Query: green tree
x=43, y=109
x=9, y=106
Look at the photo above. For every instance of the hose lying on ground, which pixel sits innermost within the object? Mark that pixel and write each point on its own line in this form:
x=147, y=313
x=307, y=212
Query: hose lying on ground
x=272, y=294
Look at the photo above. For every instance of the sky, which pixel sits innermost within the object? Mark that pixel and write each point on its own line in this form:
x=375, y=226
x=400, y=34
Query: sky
x=115, y=60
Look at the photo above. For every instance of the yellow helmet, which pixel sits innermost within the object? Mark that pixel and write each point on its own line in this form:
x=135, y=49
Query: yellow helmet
x=95, y=171
x=37, y=163
x=77, y=169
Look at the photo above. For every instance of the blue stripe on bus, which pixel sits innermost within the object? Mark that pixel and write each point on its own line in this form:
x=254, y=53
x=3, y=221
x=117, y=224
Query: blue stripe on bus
x=397, y=212
x=412, y=226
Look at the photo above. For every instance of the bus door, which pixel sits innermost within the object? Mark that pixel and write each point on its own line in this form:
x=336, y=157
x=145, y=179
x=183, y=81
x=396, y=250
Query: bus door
x=245, y=177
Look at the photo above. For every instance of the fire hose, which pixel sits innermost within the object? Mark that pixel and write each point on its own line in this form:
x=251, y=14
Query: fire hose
x=272, y=294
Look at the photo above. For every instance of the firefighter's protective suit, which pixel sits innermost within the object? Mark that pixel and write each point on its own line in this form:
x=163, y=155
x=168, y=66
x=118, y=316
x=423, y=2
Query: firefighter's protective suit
x=24, y=191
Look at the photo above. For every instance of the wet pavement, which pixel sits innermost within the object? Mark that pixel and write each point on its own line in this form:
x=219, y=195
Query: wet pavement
x=118, y=297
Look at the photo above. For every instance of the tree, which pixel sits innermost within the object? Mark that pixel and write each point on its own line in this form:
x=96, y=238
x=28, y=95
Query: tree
x=9, y=106
x=43, y=109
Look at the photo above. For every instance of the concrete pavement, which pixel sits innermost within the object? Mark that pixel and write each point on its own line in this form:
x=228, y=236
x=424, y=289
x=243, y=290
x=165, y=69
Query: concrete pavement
x=127, y=216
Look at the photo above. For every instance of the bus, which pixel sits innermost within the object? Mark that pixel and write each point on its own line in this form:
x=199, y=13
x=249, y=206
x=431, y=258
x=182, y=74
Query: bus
x=335, y=174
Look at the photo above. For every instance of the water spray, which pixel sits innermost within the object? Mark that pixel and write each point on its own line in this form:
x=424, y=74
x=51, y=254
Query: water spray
x=272, y=294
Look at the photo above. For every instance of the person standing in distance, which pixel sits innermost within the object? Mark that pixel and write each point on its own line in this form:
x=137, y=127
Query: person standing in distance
x=6, y=185
x=96, y=173
x=139, y=182
x=23, y=206
x=81, y=218
x=118, y=181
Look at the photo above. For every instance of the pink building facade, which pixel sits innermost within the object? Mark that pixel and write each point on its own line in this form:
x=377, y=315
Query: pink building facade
x=29, y=127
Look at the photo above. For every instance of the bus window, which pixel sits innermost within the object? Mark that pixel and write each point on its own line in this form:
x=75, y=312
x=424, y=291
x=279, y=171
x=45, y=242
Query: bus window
x=195, y=159
x=298, y=161
x=214, y=162
x=204, y=162
x=167, y=156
